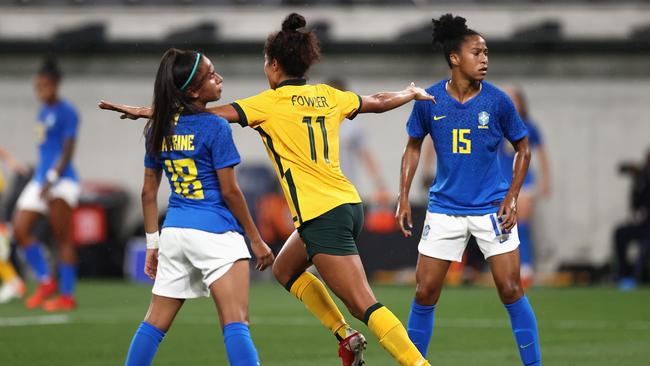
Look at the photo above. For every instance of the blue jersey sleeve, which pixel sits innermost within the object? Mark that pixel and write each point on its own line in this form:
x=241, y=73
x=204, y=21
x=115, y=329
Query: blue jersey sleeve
x=223, y=149
x=151, y=161
x=417, y=125
x=511, y=124
x=70, y=122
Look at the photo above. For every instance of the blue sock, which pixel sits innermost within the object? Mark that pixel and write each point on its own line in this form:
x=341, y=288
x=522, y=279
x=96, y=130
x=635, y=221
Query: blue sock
x=524, y=328
x=36, y=260
x=239, y=345
x=67, y=279
x=420, y=326
x=525, y=244
x=144, y=345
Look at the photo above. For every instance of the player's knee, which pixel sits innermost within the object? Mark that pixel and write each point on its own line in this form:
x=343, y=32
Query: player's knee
x=510, y=292
x=280, y=274
x=21, y=234
x=426, y=295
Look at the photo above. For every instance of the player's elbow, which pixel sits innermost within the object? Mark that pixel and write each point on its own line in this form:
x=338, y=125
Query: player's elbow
x=230, y=193
x=148, y=195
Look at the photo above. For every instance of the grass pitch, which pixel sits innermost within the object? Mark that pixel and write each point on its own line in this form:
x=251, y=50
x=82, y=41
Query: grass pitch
x=579, y=326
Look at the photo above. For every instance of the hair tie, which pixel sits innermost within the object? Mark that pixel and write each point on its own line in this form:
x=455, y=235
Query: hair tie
x=189, y=78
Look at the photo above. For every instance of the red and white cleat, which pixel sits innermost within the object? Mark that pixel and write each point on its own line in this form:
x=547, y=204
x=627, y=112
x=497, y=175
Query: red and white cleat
x=351, y=349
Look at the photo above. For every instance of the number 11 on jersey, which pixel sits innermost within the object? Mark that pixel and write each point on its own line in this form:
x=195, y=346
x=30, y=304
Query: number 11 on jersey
x=312, y=143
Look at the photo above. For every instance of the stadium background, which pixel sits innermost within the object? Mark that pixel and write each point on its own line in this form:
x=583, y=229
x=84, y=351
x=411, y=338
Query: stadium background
x=584, y=65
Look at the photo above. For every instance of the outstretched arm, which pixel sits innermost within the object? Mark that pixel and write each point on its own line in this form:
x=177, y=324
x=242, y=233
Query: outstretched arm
x=410, y=160
x=508, y=208
x=227, y=111
x=385, y=101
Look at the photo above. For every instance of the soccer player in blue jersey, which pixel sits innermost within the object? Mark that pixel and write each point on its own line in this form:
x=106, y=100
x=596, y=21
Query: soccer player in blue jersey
x=201, y=249
x=53, y=191
x=532, y=185
x=469, y=195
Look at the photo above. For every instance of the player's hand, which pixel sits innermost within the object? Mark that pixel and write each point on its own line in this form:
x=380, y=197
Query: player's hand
x=127, y=111
x=151, y=263
x=45, y=190
x=508, y=212
x=421, y=94
x=404, y=214
x=263, y=255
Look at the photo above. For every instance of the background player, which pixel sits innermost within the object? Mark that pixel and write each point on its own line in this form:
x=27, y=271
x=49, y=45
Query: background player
x=201, y=250
x=53, y=191
x=527, y=196
x=469, y=195
x=12, y=286
x=299, y=125
x=353, y=149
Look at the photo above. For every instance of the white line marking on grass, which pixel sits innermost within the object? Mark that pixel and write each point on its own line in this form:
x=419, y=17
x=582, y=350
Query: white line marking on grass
x=24, y=321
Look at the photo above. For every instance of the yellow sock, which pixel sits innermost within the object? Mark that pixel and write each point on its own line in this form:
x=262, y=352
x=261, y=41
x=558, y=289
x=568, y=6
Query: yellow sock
x=311, y=291
x=7, y=271
x=393, y=337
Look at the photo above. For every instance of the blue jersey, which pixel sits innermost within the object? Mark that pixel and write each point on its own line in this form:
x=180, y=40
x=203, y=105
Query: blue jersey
x=507, y=154
x=202, y=144
x=466, y=138
x=56, y=124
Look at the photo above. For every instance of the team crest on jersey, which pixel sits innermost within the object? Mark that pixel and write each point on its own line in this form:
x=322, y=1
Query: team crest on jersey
x=425, y=231
x=483, y=119
x=50, y=120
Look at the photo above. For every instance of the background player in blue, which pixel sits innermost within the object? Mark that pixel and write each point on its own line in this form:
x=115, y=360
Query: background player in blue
x=201, y=250
x=530, y=188
x=469, y=194
x=53, y=191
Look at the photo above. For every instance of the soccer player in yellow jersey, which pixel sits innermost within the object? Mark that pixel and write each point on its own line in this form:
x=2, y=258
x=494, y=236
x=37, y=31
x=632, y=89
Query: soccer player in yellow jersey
x=299, y=125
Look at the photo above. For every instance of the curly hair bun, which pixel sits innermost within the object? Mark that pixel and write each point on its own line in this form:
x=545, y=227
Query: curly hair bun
x=292, y=22
x=448, y=27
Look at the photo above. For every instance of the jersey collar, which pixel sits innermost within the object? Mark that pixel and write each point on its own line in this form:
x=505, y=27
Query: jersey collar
x=297, y=82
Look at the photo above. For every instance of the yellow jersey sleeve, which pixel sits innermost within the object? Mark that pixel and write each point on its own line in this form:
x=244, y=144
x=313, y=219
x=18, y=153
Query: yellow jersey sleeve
x=348, y=102
x=253, y=110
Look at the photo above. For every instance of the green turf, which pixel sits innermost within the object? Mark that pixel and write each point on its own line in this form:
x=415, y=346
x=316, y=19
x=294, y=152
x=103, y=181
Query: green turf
x=584, y=326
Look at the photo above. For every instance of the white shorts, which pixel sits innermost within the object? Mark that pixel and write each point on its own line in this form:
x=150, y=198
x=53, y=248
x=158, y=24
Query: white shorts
x=446, y=236
x=190, y=260
x=65, y=189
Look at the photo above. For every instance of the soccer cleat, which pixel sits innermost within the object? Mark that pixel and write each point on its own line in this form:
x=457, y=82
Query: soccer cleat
x=351, y=349
x=43, y=291
x=14, y=289
x=60, y=303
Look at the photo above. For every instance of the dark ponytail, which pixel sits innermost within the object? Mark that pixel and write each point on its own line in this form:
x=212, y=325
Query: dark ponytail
x=295, y=50
x=169, y=100
x=449, y=32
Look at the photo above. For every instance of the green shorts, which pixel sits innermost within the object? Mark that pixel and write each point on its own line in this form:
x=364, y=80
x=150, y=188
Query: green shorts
x=333, y=232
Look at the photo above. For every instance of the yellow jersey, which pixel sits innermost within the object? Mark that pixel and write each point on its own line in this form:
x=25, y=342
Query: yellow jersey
x=299, y=125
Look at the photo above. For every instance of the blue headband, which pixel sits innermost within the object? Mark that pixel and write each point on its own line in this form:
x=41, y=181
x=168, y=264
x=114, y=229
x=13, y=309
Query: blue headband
x=189, y=78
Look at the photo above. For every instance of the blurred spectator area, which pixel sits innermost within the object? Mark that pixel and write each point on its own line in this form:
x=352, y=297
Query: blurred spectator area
x=130, y=26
